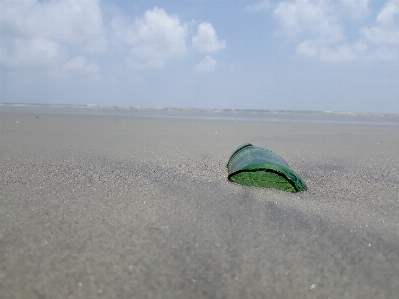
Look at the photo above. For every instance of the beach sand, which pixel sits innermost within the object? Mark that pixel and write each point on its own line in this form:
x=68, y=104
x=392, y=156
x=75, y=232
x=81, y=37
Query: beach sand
x=130, y=207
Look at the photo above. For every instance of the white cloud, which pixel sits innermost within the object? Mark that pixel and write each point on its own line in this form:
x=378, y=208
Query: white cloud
x=206, y=65
x=34, y=51
x=79, y=63
x=386, y=30
x=338, y=53
x=317, y=29
x=61, y=21
x=357, y=8
x=314, y=26
x=206, y=39
x=384, y=53
x=37, y=30
x=332, y=53
x=386, y=16
x=383, y=36
x=315, y=18
x=258, y=6
x=307, y=49
x=153, y=38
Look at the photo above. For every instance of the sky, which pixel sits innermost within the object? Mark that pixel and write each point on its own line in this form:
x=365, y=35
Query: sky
x=320, y=55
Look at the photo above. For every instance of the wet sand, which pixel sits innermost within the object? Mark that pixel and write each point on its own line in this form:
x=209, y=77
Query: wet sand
x=127, y=207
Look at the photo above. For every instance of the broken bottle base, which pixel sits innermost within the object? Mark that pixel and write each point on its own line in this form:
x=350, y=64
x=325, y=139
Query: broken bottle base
x=255, y=166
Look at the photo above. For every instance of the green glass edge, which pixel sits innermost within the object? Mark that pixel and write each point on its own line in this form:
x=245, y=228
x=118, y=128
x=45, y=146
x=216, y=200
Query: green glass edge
x=290, y=174
x=237, y=150
x=264, y=179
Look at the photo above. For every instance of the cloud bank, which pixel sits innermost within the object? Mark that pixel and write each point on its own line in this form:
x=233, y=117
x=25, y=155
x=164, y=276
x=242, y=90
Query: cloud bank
x=206, y=65
x=152, y=38
x=41, y=33
x=319, y=29
x=71, y=35
x=206, y=39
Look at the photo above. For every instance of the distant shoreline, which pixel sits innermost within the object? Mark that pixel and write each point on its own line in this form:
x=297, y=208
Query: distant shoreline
x=330, y=117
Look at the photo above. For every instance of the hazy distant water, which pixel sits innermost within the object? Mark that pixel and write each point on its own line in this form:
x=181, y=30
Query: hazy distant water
x=212, y=114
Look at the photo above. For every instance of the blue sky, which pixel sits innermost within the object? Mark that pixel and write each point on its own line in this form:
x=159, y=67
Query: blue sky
x=340, y=55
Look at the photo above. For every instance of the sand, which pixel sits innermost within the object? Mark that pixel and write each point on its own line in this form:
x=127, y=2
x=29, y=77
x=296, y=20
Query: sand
x=129, y=207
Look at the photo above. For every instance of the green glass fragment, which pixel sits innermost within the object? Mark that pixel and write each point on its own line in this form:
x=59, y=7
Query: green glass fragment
x=256, y=166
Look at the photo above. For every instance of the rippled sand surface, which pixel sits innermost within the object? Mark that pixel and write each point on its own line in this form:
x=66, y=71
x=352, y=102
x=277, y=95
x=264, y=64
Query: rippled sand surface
x=129, y=207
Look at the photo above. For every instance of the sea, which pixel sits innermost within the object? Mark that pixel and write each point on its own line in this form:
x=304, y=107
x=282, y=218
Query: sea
x=332, y=117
